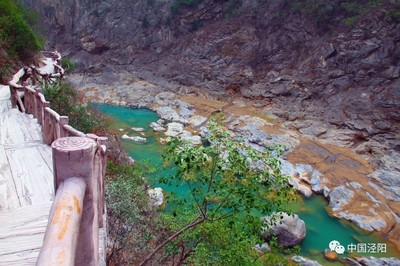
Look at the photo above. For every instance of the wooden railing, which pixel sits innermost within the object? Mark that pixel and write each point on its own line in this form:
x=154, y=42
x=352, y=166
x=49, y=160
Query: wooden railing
x=79, y=162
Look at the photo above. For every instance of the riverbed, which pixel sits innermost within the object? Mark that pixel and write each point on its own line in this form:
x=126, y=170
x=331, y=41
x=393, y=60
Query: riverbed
x=321, y=226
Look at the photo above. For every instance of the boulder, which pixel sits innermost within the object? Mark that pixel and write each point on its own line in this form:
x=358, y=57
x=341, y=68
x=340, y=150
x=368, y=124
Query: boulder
x=138, y=129
x=304, y=261
x=156, y=196
x=372, y=261
x=262, y=248
x=330, y=255
x=290, y=230
x=131, y=161
x=136, y=139
x=174, y=129
x=156, y=127
x=168, y=113
x=196, y=120
x=300, y=187
x=194, y=139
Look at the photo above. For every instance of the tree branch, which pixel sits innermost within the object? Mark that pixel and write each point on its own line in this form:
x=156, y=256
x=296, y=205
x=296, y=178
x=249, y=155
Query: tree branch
x=195, y=199
x=198, y=220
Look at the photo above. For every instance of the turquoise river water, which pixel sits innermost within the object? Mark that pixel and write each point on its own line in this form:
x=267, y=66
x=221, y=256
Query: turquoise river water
x=321, y=227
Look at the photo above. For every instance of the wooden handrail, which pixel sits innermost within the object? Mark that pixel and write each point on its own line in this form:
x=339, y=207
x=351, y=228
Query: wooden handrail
x=61, y=238
x=53, y=113
x=79, y=162
x=74, y=132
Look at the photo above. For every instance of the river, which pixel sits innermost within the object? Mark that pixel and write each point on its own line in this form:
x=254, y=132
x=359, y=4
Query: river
x=321, y=227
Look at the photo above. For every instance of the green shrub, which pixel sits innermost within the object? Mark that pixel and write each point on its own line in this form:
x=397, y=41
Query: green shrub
x=132, y=221
x=17, y=37
x=351, y=20
x=67, y=64
x=394, y=14
x=64, y=100
x=329, y=14
x=232, y=7
x=5, y=72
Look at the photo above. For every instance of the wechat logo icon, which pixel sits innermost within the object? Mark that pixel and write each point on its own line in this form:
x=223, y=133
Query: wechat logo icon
x=334, y=245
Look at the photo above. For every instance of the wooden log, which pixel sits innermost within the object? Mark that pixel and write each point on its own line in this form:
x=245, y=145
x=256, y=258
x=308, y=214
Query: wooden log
x=62, y=132
x=39, y=105
x=53, y=113
x=13, y=96
x=27, y=100
x=100, y=170
x=61, y=238
x=33, y=102
x=74, y=132
x=20, y=104
x=46, y=127
x=17, y=76
x=74, y=156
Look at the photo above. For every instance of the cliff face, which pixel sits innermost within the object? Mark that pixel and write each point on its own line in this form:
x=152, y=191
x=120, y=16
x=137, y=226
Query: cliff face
x=327, y=79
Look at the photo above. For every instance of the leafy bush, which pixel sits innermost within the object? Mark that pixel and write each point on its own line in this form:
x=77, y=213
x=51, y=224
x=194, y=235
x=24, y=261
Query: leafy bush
x=232, y=7
x=228, y=185
x=64, y=100
x=328, y=14
x=132, y=221
x=394, y=13
x=16, y=36
x=67, y=64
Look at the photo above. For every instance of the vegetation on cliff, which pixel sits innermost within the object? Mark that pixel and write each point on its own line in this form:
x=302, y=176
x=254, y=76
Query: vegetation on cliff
x=328, y=14
x=19, y=38
x=65, y=100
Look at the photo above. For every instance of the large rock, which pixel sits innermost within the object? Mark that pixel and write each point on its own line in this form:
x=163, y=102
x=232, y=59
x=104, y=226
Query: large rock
x=174, y=129
x=262, y=248
x=290, y=230
x=330, y=255
x=168, y=113
x=138, y=129
x=372, y=261
x=156, y=127
x=135, y=139
x=156, y=196
x=196, y=120
x=194, y=139
x=301, y=261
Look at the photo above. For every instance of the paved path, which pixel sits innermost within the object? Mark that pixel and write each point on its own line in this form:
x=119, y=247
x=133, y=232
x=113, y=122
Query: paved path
x=26, y=185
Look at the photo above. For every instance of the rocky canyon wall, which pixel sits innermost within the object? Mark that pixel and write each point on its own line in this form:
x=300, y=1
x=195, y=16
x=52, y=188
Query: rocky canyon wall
x=336, y=81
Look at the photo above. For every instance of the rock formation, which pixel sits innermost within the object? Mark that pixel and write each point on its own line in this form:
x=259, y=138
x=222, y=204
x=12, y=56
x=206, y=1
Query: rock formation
x=290, y=230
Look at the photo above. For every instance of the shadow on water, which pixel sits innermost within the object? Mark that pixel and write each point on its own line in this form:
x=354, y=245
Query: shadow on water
x=321, y=227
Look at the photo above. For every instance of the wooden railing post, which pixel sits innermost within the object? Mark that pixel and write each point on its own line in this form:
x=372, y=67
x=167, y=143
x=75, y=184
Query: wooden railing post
x=100, y=169
x=46, y=127
x=61, y=131
x=27, y=100
x=39, y=106
x=13, y=96
x=74, y=156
